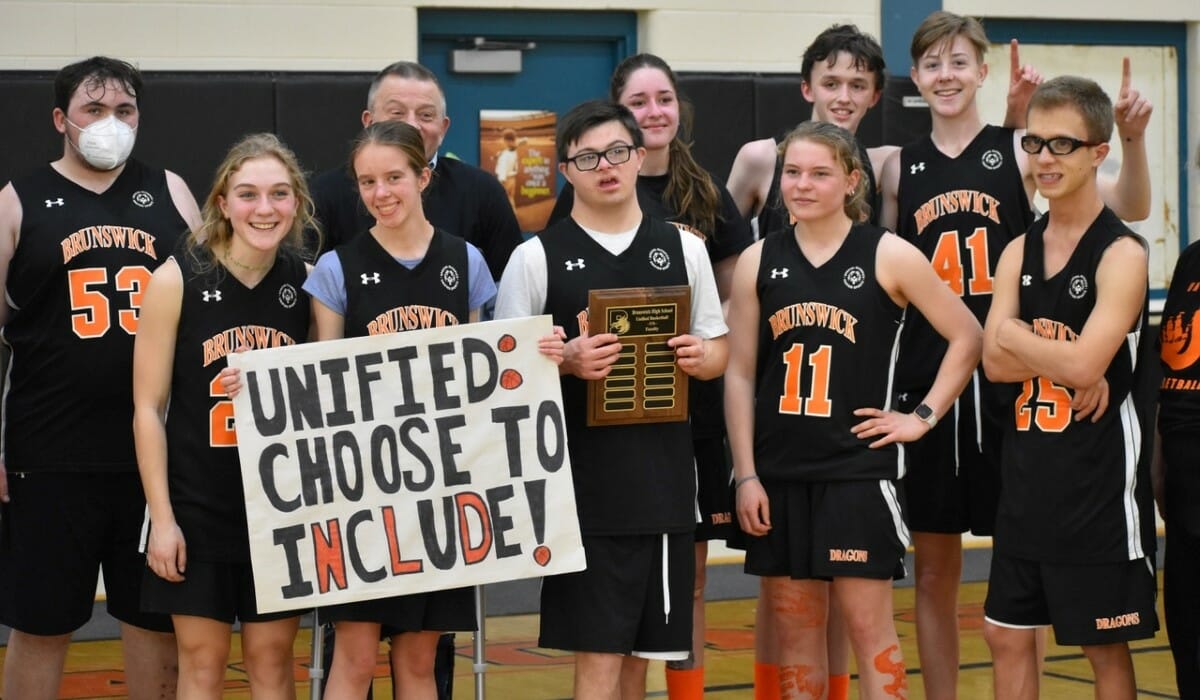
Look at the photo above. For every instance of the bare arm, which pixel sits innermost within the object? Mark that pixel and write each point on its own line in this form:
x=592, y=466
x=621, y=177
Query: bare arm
x=184, y=202
x=889, y=183
x=750, y=178
x=753, y=511
x=723, y=274
x=10, y=232
x=153, y=356
x=10, y=229
x=330, y=324
x=908, y=278
x=1128, y=195
x=999, y=364
x=1079, y=364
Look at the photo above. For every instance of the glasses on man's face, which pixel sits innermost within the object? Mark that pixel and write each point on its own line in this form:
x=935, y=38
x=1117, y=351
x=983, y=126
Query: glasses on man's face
x=1059, y=145
x=591, y=160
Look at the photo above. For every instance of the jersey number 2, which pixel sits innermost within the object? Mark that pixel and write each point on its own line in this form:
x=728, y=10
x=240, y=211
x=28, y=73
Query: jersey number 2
x=1044, y=404
x=817, y=404
x=93, y=319
x=947, y=262
x=221, y=432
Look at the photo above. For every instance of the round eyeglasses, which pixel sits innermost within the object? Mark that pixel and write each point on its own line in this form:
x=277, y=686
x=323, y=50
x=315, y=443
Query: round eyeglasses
x=1059, y=145
x=591, y=160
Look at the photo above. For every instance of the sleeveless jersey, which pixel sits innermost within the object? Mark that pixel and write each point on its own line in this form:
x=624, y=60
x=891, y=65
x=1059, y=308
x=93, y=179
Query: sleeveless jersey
x=826, y=346
x=629, y=479
x=383, y=296
x=217, y=316
x=1179, y=348
x=75, y=286
x=961, y=213
x=1075, y=492
x=774, y=215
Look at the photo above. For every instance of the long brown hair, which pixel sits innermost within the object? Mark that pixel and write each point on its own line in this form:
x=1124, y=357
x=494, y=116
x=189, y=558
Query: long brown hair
x=690, y=189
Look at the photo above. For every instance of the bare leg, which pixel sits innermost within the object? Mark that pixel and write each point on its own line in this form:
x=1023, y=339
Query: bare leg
x=867, y=609
x=151, y=663
x=203, y=653
x=1113, y=667
x=633, y=677
x=413, y=656
x=354, y=659
x=837, y=650
x=1014, y=661
x=800, y=609
x=766, y=652
x=33, y=665
x=685, y=678
x=267, y=648
x=598, y=676
x=939, y=571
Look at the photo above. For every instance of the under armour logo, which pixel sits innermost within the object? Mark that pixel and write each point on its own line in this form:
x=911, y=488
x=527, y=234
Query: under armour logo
x=574, y=265
x=777, y=272
x=212, y=296
x=372, y=278
x=1026, y=280
x=54, y=202
x=916, y=168
x=902, y=397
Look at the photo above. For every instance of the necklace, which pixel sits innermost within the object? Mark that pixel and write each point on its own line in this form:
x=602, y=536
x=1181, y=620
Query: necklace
x=250, y=268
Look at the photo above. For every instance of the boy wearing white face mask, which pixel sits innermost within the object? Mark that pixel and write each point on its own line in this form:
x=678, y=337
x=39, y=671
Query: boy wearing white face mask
x=78, y=241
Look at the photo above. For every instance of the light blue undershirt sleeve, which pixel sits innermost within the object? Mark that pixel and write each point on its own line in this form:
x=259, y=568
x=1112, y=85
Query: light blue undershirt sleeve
x=483, y=287
x=327, y=283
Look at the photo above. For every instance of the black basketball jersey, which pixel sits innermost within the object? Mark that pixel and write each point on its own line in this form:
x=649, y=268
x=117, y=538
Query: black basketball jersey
x=629, y=478
x=1179, y=348
x=826, y=346
x=1075, y=492
x=218, y=314
x=383, y=296
x=75, y=286
x=774, y=215
x=960, y=212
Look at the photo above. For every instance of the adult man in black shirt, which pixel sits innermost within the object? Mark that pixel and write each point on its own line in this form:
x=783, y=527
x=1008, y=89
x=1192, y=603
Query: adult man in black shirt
x=461, y=198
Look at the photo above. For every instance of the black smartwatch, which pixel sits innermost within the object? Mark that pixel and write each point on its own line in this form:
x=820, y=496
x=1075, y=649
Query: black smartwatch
x=926, y=414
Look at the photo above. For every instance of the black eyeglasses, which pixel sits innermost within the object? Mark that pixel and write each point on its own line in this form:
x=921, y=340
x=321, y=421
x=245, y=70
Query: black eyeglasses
x=1059, y=145
x=591, y=160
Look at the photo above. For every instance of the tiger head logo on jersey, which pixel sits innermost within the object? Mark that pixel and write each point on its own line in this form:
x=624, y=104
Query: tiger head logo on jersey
x=1180, y=348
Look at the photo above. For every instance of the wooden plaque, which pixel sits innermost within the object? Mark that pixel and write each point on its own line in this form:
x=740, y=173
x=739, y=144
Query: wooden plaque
x=645, y=385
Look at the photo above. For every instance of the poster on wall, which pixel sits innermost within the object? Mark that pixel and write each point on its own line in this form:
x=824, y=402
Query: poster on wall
x=405, y=462
x=518, y=146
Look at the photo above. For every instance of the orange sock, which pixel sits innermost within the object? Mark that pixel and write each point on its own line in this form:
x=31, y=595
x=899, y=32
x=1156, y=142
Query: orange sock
x=685, y=684
x=839, y=687
x=766, y=681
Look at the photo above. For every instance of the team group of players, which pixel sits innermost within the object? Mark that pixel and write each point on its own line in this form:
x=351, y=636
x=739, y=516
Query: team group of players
x=859, y=416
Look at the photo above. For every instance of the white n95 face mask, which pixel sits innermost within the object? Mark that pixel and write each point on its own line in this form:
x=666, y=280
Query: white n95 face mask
x=105, y=144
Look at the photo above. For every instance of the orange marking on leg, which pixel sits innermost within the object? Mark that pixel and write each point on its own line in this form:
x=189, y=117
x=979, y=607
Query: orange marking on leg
x=801, y=681
x=803, y=608
x=884, y=664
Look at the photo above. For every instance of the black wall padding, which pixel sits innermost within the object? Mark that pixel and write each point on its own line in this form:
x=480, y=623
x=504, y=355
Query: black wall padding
x=189, y=119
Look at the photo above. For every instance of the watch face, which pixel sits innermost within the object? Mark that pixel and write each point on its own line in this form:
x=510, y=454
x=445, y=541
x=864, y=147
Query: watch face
x=923, y=412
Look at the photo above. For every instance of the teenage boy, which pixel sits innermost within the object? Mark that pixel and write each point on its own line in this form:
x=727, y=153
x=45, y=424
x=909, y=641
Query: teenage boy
x=79, y=238
x=961, y=195
x=1074, y=540
x=634, y=484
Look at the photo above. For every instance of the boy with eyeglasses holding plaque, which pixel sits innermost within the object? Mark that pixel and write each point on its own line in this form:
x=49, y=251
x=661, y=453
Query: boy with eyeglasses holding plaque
x=634, y=484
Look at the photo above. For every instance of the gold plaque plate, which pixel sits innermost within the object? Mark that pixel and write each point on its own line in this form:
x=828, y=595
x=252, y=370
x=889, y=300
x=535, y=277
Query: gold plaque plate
x=645, y=385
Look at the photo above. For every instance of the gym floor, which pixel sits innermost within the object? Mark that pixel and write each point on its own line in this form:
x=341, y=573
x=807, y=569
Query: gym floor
x=518, y=668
